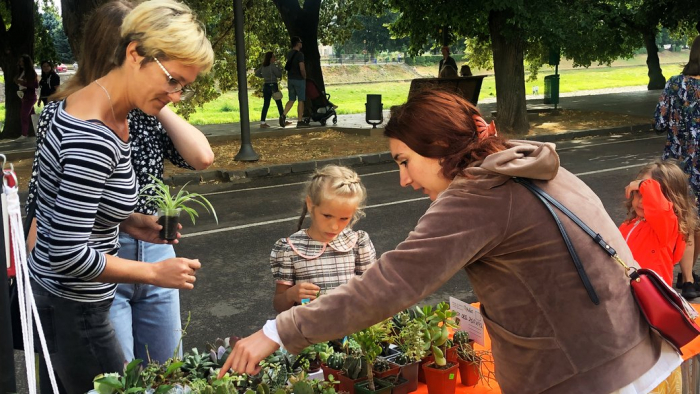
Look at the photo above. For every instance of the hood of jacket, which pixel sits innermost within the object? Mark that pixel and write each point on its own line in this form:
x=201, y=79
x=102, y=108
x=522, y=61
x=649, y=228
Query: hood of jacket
x=526, y=159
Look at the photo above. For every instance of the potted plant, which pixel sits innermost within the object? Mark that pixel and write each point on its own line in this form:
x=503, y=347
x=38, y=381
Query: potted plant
x=333, y=366
x=383, y=368
x=439, y=375
x=370, y=340
x=469, y=364
x=412, y=345
x=170, y=206
x=354, y=371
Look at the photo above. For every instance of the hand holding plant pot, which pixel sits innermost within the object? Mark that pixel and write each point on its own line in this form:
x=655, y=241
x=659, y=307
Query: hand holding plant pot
x=144, y=228
x=169, y=206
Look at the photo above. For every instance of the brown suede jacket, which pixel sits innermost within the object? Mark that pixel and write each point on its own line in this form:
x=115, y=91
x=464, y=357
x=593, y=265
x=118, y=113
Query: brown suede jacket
x=547, y=335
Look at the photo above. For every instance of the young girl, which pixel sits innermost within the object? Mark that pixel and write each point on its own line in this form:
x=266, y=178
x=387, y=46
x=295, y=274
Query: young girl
x=660, y=215
x=329, y=253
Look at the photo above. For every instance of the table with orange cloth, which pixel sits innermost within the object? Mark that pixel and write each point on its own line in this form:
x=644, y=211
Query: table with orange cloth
x=689, y=351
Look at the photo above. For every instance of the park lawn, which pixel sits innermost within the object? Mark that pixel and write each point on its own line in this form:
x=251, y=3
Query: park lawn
x=351, y=98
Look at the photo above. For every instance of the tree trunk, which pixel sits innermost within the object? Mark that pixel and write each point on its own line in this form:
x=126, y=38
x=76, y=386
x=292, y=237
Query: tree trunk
x=509, y=71
x=656, y=76
x=15, y=41
x=74, y=14
x=303, y=22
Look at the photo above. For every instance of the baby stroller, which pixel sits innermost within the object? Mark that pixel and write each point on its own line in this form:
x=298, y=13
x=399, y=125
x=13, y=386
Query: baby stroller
x=318, y=105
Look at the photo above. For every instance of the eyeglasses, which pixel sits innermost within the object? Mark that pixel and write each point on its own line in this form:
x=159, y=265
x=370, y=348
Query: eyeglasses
x=175, y=86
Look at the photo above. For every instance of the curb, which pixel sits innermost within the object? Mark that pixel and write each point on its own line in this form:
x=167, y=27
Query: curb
x=368, y=158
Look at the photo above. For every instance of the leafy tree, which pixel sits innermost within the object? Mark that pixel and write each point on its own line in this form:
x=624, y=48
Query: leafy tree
x=374, y=35
x=649, y=16
x=43, y=40
x=585, y=30
x=51, y=25
x=269, y=24
x=16, y=39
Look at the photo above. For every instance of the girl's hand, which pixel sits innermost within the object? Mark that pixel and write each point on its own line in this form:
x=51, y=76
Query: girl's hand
x=302, y=291
x=632, y=187
x=247, y=354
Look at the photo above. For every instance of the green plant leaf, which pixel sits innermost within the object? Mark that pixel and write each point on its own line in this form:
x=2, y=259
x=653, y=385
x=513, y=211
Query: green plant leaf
x=173, y=367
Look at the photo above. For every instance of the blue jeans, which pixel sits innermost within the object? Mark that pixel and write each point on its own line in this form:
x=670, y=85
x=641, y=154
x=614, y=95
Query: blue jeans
x=146, y=318
x=80, y=339
x=268, y=89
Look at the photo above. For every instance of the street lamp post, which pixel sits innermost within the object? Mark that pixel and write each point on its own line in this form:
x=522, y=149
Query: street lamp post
x=246, y=153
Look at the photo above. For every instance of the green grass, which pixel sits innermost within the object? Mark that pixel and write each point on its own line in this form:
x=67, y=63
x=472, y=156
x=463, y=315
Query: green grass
x=351, y=98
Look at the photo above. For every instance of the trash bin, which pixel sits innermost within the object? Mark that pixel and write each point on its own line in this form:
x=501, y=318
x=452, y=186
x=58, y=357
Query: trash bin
x=374, y=110
x=551, y=89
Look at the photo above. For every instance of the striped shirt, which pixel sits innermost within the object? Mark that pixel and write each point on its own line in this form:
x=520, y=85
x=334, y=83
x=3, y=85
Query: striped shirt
x=150, y=143
x=86, y=188
x=301, y=259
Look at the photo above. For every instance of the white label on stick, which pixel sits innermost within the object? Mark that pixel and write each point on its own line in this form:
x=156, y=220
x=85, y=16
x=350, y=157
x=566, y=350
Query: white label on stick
x=470, y=320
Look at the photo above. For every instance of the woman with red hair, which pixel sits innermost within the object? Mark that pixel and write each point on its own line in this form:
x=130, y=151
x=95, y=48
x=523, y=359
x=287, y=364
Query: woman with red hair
x=547, y=335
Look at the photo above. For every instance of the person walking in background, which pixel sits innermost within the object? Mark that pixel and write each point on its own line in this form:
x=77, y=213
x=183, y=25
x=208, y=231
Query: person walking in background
x=27, y=81
x=313, y=261
x=446, y=60
x=296, y=78
x=271, y=73
x=86, y=175
x=661, y=215
x=678, y=114
x=48, y=83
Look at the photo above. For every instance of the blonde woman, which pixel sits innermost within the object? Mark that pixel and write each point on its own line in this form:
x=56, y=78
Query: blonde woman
x=87, y=190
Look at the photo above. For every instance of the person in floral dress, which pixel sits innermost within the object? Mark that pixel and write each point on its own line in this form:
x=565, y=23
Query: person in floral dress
x=678, y=114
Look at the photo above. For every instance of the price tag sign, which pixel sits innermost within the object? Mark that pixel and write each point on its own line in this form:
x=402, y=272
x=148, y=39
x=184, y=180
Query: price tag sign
x=470, y=320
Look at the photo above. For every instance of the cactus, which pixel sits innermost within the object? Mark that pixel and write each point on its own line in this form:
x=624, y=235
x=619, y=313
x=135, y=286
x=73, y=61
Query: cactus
x=355, y=366
x=460, y=337
x=336, y=361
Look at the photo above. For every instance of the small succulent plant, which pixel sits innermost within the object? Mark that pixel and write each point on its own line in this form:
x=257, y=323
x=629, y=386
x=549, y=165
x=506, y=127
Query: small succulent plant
x=336, y=361
x=460, y=337
x=198, y=365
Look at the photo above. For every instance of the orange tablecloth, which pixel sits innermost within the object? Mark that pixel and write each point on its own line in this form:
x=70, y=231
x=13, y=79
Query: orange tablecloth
x=690, y=350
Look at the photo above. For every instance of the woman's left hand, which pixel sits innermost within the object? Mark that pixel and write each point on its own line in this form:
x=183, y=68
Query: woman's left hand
x=247, y=354
x=145, y=228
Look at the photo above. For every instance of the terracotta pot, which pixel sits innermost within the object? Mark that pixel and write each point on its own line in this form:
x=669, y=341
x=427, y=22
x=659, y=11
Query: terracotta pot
x=452, y=354
x=468, y=372
x=410, y=373
x=380, y=387
x=423, y=361
x=328, y=371
x=393, y=371
x=441, y=381
x=347, y=384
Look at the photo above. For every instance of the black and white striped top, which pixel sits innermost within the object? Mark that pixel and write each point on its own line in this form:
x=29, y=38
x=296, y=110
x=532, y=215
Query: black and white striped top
x=87, y=187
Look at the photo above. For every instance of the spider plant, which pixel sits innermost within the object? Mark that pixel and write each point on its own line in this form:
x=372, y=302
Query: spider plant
x=170, y=206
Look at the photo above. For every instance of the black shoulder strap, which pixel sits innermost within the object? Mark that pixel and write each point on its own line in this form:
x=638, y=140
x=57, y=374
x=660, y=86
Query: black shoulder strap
x=548, y=201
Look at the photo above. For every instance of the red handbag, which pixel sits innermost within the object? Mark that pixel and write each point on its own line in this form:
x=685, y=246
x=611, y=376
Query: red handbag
x=667, y=312
x=663, y=308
